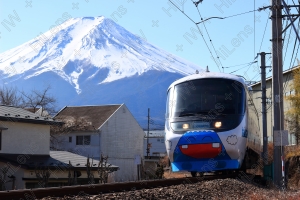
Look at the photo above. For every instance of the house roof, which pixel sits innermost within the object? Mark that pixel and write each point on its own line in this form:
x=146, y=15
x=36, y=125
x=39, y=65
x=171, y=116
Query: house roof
x=33, y=110
x=94, y=115
x=55, y=159
x=15, y=114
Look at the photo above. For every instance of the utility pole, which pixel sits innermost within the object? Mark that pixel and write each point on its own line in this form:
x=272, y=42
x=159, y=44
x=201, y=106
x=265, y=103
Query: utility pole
x=277, y=89
x=148, y=145
x=263, y=108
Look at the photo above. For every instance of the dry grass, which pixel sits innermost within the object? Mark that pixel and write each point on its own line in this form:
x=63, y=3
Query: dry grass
x=292, y=151
x=168, y=174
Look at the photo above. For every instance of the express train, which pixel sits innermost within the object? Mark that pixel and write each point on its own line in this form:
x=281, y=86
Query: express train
x=211, y=124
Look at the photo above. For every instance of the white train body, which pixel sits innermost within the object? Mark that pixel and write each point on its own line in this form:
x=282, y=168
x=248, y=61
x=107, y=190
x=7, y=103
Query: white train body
x=207, y=123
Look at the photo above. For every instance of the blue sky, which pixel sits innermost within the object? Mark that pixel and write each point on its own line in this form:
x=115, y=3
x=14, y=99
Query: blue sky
x=235, y=39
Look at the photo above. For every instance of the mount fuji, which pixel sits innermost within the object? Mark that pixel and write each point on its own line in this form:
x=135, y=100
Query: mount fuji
x=94, y=61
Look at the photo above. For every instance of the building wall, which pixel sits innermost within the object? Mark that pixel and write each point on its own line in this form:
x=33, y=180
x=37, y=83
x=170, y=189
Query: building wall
x=13, y=170
x=56, y=175
x=122, y=140
x=287, y=82
x=157, y=148
x=25, y=138
x=92, y=150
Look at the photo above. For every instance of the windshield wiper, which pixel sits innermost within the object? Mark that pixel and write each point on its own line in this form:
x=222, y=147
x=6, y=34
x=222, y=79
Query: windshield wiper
x=202, y=114
x=187, y=114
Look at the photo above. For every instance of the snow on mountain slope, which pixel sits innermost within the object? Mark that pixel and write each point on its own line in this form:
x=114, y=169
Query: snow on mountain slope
x=98, y=41
x=93, y=60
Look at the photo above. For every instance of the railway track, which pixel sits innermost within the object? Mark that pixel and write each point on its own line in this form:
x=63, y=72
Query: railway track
x=95, y=189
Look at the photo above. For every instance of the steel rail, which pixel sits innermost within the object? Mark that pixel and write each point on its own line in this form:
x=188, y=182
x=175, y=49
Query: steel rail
x=96, y=189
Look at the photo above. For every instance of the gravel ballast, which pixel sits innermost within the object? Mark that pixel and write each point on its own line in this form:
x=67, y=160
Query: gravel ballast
x=215, y=189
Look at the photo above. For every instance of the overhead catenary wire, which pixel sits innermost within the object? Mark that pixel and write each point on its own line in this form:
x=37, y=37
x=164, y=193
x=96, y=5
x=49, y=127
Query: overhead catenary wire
x=285, y=84
x=291, y=65
x=260, y=43
x=254, y=17
x=264, y=33
x=243, y=67
x=287, y=45
x=239, y=65
x=196, y=4
x=236, y=15
x=258, y=73
x=199, y=32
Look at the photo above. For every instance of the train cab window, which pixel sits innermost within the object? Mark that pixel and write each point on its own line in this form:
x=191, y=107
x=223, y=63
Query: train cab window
x=208, y=95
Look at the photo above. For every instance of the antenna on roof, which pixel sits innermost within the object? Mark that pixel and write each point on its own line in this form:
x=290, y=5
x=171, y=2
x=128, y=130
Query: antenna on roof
x=207, y=70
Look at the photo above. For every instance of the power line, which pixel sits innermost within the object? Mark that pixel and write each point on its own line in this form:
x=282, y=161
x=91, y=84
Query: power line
x=260, y=45
x=264, y=33
x=291, y=65
x=287, y=45
x=254, y=27
x=239, y=65
x=203, y=20
x=241, y=14
x=285, y=84
x=243, y=67
x=257, y=74
x=196, y=4
x=199, y=32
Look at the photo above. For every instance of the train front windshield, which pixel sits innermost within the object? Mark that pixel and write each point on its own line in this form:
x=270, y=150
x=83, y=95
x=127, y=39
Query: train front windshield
x=208, y=100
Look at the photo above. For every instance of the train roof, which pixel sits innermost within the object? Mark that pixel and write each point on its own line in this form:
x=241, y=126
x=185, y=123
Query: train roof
x=204, y=74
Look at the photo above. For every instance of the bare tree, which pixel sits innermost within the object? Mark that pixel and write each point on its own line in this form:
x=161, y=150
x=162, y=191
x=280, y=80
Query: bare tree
x=70, y=125
x=43, y=175
x=104, y=169
x=3, y=174
x=40, y=99
x=35, y=99
x=10, y=96
x=89, y=172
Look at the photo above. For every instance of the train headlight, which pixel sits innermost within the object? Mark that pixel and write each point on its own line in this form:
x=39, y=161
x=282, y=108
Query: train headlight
x=181, y=126
x=218, y=124
x=194, y=125
x=185, y=126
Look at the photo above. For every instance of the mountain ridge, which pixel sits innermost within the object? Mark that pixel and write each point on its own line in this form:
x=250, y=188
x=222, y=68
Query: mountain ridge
x=94, y=53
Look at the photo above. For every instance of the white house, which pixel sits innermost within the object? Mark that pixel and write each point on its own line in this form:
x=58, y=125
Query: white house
x=156, y=140
x=25, y=153
x=110, y=130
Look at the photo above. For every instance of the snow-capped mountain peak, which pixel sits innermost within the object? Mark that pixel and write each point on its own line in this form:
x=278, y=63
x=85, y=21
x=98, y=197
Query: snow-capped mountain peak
x=90, y=41
x=92, y=61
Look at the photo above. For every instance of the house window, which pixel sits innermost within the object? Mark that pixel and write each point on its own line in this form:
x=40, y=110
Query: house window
x=83, y=140
x=70, y=139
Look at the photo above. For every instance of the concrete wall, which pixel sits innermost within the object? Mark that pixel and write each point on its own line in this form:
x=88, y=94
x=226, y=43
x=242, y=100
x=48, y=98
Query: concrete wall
x=287, y=82
x=122, y=140
x=91, y=150
x=58, y=173
x=157, y=146
x=25, y=138
x=16, y=171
